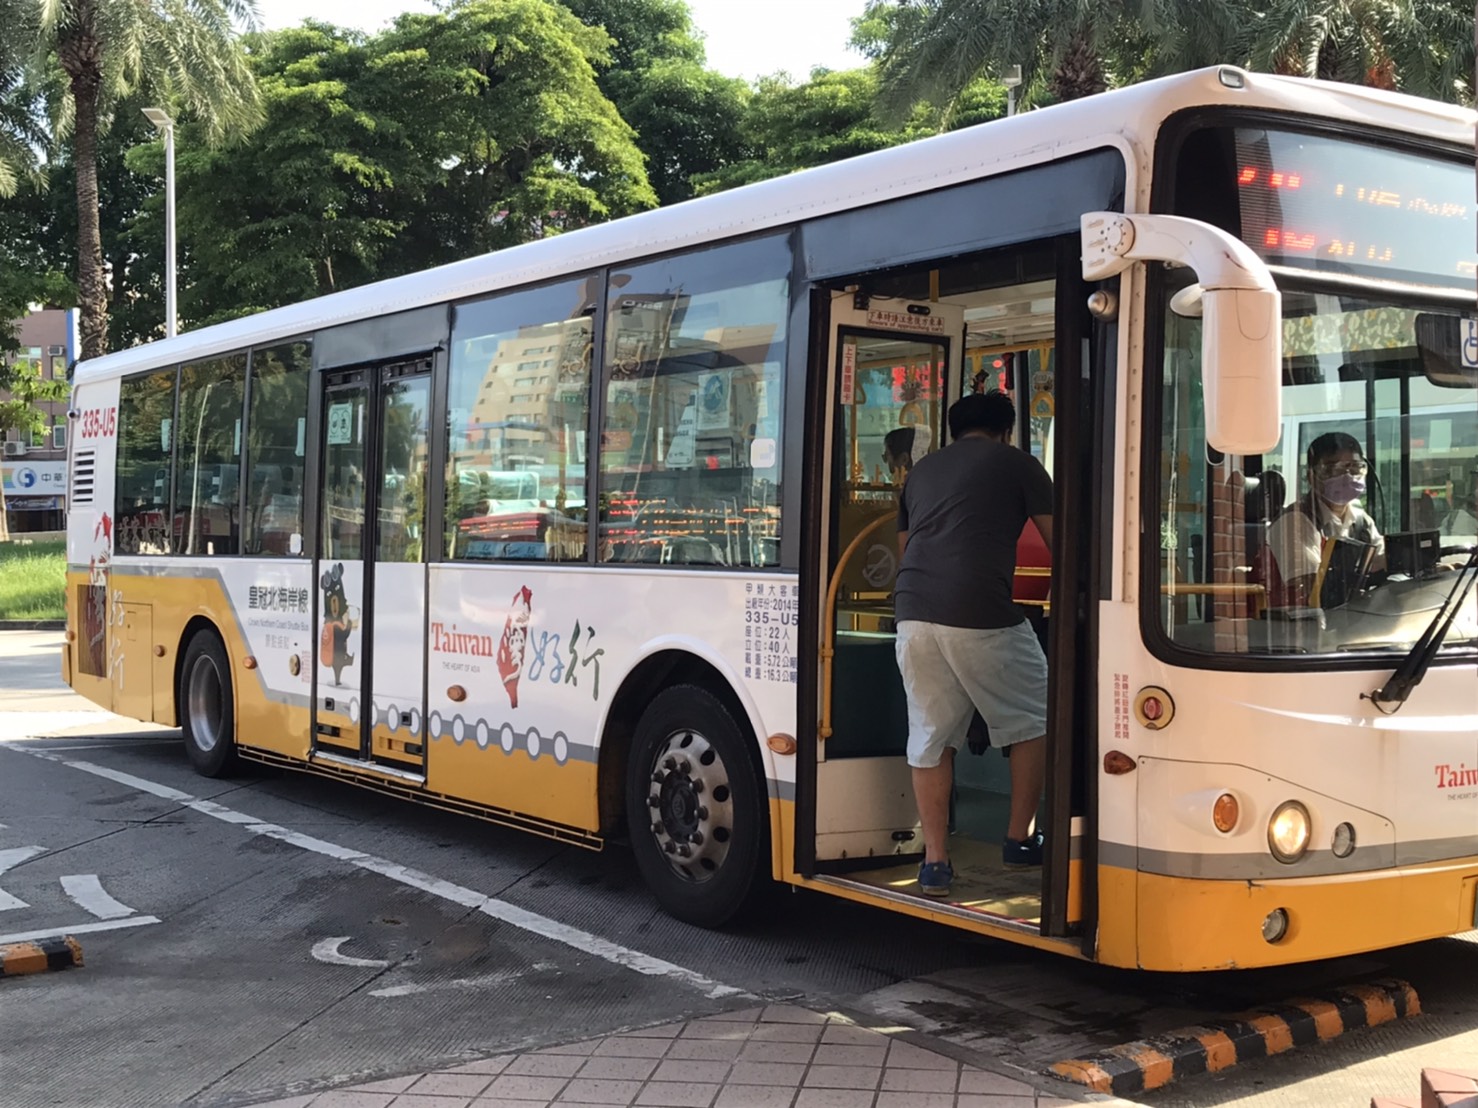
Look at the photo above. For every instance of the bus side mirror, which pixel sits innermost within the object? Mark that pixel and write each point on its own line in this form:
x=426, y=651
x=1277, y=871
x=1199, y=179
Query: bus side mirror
x=1241, y=310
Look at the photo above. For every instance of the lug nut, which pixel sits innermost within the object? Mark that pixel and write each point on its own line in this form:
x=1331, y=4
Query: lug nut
x=670, y=847
x=669, y=762
x=656, y=829
x=654, y=802
x=685, y=766
x=684, y=852
x=658, y=778
x=697, y=784
x=696, y=838
x=702, y=812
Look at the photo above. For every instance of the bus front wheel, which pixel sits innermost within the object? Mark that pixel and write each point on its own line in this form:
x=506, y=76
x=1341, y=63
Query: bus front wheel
x=694, y=807
x=206, y=706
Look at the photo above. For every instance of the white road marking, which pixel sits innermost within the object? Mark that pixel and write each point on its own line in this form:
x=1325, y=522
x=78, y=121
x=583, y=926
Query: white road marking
x=80, y=929
x=88, y=893
x=458, y=983
x=9, y=859
x=327, y=950
x=522, y=918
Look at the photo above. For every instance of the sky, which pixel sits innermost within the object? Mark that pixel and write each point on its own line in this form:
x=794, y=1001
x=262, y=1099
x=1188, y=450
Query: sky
x=744, y=38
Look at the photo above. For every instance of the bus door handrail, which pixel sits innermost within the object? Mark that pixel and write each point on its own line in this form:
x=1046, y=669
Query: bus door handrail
x=828, y=642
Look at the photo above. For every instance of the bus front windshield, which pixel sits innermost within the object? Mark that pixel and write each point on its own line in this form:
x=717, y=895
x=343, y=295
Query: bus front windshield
x=1347, y=537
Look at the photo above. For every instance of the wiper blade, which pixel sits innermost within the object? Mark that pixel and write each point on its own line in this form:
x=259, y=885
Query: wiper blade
x=1418, y=660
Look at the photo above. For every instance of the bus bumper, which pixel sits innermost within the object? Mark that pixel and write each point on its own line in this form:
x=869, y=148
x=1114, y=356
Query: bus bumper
x=1156, y=922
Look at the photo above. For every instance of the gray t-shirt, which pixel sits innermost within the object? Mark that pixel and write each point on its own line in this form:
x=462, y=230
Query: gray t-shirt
x=964, y=508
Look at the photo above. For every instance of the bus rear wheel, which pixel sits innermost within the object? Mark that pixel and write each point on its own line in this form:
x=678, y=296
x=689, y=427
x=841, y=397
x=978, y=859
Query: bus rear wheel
x=695, y=807
x=207, y=708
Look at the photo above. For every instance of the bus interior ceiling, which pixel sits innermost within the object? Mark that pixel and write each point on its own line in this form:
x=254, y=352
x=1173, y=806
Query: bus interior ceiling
x=1007, y=302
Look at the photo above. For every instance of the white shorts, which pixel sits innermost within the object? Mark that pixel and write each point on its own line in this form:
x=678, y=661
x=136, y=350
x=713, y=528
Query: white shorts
x=948, y=672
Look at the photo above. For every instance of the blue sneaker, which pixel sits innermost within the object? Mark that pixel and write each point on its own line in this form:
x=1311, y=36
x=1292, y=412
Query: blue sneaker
x=935, y=878
x=1017, y=854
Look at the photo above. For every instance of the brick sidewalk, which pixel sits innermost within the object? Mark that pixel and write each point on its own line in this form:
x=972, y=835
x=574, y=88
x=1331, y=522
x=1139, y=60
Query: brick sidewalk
x=780, y=1056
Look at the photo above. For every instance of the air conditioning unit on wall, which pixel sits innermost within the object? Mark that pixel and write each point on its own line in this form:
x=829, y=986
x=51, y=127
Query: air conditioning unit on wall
x=15, y=450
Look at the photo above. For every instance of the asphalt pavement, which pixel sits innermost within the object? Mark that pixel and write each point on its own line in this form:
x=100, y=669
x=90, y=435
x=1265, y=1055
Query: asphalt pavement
x=277, y=935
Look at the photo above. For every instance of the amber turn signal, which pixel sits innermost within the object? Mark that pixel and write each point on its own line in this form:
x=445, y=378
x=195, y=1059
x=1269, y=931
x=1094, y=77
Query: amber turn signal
x=295, y=665
x=71, y=636
x=1225, y=813
x=781, y=743
x=250, y=662
x=159, y=651
x=456, y=694
x=1117, y=763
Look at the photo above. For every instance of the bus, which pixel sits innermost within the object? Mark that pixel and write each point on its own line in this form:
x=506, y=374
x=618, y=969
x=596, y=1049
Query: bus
x=286, y=534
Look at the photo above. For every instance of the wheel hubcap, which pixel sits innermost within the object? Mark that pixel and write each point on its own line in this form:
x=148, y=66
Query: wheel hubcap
x=203, y=695
x=691, y=805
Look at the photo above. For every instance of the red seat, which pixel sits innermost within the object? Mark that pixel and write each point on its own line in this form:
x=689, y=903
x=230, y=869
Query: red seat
x=1031, y=553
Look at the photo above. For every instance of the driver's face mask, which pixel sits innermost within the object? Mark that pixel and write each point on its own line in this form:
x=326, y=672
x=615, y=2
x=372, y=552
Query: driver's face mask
x=1342, y=488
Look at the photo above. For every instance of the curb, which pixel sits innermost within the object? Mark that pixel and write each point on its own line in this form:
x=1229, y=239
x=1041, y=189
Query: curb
x=39, y=956
x=33, y=625
x=1152, y=1063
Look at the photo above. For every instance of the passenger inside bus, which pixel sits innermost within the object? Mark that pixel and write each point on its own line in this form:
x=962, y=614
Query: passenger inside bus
x=898, y=453
x=1326, y=544
x=962, y=643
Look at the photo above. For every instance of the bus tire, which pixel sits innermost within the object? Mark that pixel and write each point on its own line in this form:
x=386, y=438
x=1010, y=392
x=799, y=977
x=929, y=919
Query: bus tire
x=207, y=706
x=695, y=807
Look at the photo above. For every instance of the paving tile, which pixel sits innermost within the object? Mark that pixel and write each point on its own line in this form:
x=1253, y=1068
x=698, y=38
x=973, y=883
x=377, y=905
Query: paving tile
x=452, y=1084
x=766, y=1073
x=586, y=1047
x=850, y=1035
x=595, y=1090
x=776, y=1052
x=679, y=1094
x=520, y=1087
x=919, y=1081
x=504, y=1102
x=624, y=1046
x=723, y=1029
x=711, y=1050
x=915, y=1100
x=546, y=1065
x=790, y=1013
x=787, y=1033
x=680, y=1070
x=344, y=1098
x=388, y=1085
x=743, y=1015
x=837, y=1054
x=981, y=1081
x=416, y=1100
x=619, y=1069
x=661, y=1031
x=974, y=1100
x=494, y=1065
x=1054, y=1102
x=907, y=1056
x=842, y=1077
x=832, y=1098
x=754, y=1096
x=292, y=1102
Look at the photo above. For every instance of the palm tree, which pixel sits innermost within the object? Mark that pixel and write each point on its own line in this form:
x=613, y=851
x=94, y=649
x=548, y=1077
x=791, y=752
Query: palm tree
x=1423, y=47
x=933, y=49
x=186, y=51
x=22, y=128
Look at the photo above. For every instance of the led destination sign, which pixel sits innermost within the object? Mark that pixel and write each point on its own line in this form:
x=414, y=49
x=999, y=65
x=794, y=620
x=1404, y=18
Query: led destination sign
x=1329, y=204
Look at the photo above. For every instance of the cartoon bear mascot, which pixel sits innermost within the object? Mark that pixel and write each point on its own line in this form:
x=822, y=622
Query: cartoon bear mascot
x=333, y=642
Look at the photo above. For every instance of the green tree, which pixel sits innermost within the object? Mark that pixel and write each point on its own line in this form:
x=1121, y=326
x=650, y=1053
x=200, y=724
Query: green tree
x=186, y=52
x=448, y=135
x=684, y=114
x=789, y=127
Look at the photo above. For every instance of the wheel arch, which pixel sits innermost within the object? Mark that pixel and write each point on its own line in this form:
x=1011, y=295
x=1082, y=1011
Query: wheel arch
x=669, y=661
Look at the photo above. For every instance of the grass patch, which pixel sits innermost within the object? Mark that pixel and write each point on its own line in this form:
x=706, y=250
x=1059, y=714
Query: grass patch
x=32, y=579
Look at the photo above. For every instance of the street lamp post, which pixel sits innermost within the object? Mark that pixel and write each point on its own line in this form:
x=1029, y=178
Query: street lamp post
x=165, y=126
x=1011, y=79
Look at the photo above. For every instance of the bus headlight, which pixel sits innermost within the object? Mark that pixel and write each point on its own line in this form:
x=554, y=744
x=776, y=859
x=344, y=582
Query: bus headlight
x=1288, y=831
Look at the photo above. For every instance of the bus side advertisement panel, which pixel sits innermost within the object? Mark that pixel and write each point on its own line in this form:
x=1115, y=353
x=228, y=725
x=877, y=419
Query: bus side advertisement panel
x=524, y=664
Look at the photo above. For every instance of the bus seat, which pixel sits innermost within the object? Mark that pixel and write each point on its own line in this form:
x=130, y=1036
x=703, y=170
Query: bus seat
x=1031, y=553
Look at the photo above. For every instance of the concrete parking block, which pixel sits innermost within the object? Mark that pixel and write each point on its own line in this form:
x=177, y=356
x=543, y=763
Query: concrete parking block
x=39, y=956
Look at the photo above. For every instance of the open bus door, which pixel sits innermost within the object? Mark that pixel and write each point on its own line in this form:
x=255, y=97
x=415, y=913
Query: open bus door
x=857, y=823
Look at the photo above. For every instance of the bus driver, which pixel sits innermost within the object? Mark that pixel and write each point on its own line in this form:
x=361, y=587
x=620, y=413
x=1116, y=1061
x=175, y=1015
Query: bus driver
x=1327, y=523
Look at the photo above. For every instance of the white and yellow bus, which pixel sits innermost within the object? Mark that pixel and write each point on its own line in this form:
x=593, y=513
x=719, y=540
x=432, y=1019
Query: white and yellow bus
x=593, y=536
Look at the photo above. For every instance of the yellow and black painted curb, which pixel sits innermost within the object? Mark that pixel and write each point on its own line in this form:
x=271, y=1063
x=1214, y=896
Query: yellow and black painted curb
x=39, y=956
x=1154, y=1062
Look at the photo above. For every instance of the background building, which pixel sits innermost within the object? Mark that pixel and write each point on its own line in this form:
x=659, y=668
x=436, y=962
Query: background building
x=33, y=464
